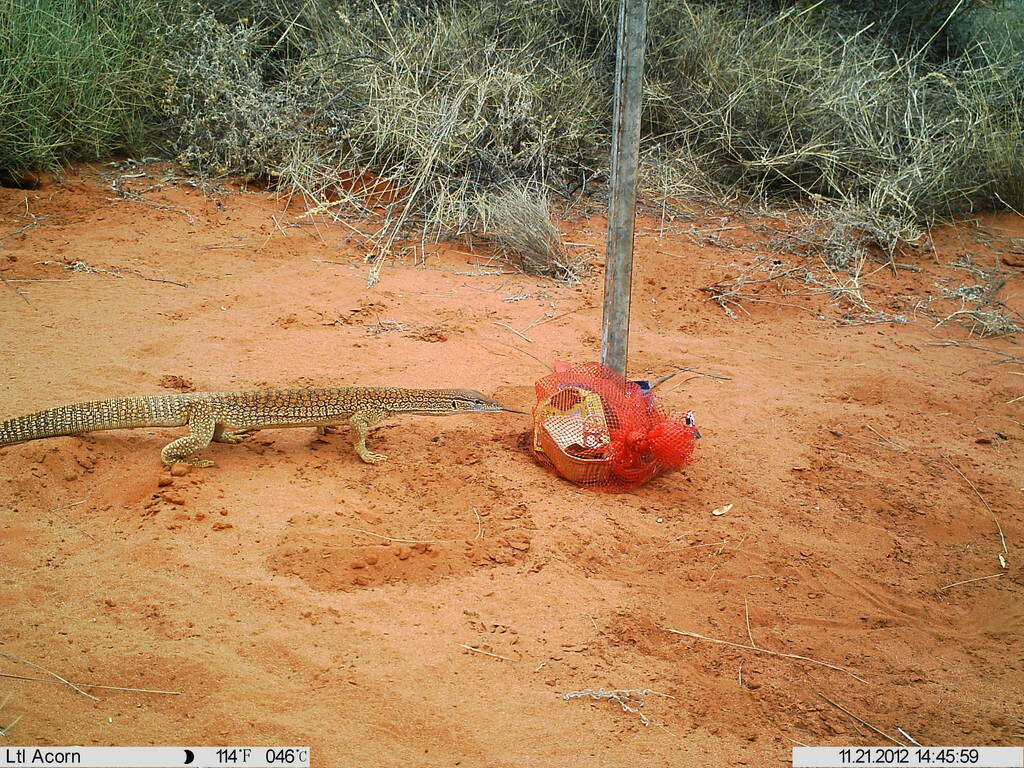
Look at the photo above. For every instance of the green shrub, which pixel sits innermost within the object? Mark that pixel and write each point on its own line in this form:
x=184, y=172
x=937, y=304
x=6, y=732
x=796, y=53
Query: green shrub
x=223, y=117
x=78, y=79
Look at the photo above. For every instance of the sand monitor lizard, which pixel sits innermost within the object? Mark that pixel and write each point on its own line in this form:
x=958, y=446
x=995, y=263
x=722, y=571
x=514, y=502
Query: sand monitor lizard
x=230, y=417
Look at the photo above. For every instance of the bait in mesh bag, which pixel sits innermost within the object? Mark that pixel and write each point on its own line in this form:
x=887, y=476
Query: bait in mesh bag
x=598, y=429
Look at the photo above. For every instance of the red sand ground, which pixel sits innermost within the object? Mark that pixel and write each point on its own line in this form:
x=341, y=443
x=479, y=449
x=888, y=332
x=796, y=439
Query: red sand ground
x=249, y=589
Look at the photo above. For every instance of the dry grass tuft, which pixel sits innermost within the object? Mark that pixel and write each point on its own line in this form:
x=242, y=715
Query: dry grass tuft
x=519, y=221
x=447, y=103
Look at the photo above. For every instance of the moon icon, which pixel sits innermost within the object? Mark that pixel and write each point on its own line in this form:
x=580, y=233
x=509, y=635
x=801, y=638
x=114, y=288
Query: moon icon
x=189, y=756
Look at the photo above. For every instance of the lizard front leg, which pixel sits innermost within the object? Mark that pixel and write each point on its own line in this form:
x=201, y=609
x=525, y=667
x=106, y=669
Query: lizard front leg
x=362, y=422
x=201, y=426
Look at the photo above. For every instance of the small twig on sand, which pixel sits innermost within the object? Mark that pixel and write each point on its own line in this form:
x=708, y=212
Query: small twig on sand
x=479, y=533
x=12, y=657
x=701, y=373
x=5, y=729
x=694, y=546
x=974, y=488
x=746, y=616
x=18, y=231
x=525, y=352
x=7, y=283
x=793, y=656
x=856, y=727
x=400, y=541
x=1009, y=358
x=862, y=721
x=158, y=279
x=552, y=319
x=81, y=266
x=885, y=439
x=662, y=379
x=277, y=228
x=227, y=245
x=520, y=334
x=485, y=653
x=159, y=206
x=909, y=738
x=328, y=261
x=39, y=220
x=827, y=363
x=58, y=511
x=888, y=444
x=625, y=697
x=968, y=581
x=89, y=685
x=679, y=369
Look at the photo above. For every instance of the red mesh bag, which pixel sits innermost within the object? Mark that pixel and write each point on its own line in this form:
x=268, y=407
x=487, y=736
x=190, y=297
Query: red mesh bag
x=598, y=429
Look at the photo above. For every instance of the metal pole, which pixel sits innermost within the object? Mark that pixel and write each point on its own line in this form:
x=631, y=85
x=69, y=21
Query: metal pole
x=618, y=270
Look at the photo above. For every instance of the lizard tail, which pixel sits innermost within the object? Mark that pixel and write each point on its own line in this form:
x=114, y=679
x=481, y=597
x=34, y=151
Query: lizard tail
x=79, y=418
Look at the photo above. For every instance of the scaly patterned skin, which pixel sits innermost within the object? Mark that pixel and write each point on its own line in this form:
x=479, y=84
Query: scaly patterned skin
x=230, y=417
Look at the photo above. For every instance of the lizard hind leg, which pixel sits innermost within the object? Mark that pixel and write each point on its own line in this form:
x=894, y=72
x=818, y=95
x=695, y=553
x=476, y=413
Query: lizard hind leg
x=201, y=428
x=362, y=422
x=231, y=437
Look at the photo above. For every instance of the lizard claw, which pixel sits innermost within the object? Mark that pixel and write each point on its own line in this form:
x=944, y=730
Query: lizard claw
x=372, y=458
x=170, y=461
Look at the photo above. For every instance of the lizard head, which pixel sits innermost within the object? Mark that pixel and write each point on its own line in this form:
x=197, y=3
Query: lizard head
x=468, y=401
